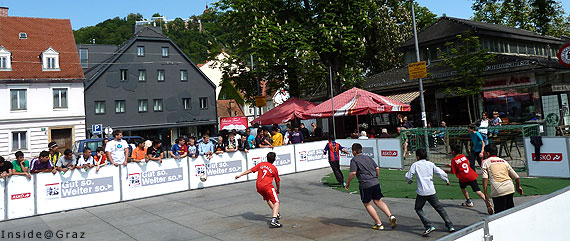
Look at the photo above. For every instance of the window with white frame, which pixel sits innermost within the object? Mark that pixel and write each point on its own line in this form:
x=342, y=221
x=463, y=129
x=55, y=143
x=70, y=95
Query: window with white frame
x=183, y=75
x=83, y=57
x=99, y=107
x=251, y=110
x=60, y=98
x=19, y=140
x=160, y=75
x=23, y=35
x=50, y=60
x=164, y=51
x=124, y=75
x=187, y=102
x=142, y=75
x=5, y=59
x=18, y=99
x=140, y=50
x=157, y=105
x=204, y=103
x=143, y=105
x=120, y=106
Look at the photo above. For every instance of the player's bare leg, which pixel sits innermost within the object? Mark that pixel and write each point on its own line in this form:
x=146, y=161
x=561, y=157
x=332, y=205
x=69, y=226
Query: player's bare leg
x=372, y=212
x=466, y=194
x=384, y=208
x=275, y=208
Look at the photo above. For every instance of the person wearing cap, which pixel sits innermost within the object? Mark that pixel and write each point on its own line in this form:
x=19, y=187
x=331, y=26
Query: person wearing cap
x=54, y=155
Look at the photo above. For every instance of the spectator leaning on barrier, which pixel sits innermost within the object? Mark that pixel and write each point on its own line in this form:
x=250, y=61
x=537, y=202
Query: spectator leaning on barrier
x=276, y=137
x=499, y=173
x=220, y=146
x=66, y=162
x=287, y=136
x=5, y=168
x=41, y=163
x=236, y=135
x=263, y=139
x=86, y=160
x=206, y=148
x=20, y=166
x=54, y=155
x=250, y=138
x=192, y=148
x=363, y=135
x=117, y=150
x=232, y=143
x=154, y=153
x=139, y=153
x=179, y=149
x=297, y=136
x=243, y=144
x=100, y=158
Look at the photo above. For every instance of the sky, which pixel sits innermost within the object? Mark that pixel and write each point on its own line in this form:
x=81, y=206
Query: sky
x=87, y=13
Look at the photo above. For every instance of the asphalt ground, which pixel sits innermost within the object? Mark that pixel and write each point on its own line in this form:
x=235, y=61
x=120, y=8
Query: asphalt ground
x=309, y=209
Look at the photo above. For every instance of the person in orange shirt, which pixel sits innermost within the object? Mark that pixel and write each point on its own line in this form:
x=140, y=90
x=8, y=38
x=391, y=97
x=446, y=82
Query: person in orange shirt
x=139, y=153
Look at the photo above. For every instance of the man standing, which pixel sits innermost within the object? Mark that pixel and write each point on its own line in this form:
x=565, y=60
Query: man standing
x=54, y=155
x=268, y=172
x=317, y=131
x=426, y=191
x=117, y=150
x=333, y=150
x=478, y=146
x=305, y=131
x=500, y=173
x=366, y=171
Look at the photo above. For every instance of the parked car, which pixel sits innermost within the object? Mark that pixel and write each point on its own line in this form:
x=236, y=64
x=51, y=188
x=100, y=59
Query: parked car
x=78, y=146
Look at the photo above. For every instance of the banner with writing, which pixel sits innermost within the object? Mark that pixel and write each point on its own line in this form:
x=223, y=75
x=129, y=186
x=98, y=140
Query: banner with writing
x=20, y=196
x=284, y=159
x=154, y=178
x=309, y=156
x=219, y=170
x=369, y=148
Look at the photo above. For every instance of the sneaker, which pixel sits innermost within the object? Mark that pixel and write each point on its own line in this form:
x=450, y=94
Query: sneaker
x=378, y=226
x=428, y=231
x=393, y=223
x=278, y=216
x=452, y=229
x=467, y=204
x=275, y=223
x=344, y=184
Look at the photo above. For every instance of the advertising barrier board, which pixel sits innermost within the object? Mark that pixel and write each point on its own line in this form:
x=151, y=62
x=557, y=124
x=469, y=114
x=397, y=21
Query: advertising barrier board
x=154, y=178
x=20, y=196
x=553, y=161
x=309, y=156
x=284, y=160
x=221, y=169
x=2, y=199
x=77, y=189
x=390, y=153
x=369, y=148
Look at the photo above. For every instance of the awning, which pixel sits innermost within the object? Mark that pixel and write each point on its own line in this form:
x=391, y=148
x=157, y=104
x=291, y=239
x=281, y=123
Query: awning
x=406, y=97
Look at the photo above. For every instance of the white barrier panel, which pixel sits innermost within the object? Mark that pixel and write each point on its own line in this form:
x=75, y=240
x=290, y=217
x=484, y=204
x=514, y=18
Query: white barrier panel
x=476, y=235
x=309, y=156
x=20, y=196
x=546, y=220
x=2, y=199
x=221, y=169
x=390, y=153
x=154, y=178
x=77, y=189
x=284, y=160
x=369, y=148
x=553, y=161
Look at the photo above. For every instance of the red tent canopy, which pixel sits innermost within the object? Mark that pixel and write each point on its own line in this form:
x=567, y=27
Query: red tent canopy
x=285, y=112
x=356, y=102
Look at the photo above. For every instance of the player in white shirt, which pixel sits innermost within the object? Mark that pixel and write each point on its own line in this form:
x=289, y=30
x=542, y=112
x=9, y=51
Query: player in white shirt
x=117, y=150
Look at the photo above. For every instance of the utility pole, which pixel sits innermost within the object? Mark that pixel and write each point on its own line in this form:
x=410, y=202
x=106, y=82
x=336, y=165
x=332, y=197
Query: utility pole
x=422, y=102
x=332, y=102
x=257, y=81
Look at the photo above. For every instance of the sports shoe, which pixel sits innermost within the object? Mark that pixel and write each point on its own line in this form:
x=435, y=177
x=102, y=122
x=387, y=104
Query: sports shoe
x=428, y=231
x=452, y=229
x=344, y=184
x=393, y=223
x=278, y=216
x=275, y=223
x=467, y=204
x=378, y=226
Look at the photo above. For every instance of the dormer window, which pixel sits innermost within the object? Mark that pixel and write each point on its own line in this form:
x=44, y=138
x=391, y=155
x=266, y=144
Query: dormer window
x=5, y=59
x=50, y=60
x=23, y=35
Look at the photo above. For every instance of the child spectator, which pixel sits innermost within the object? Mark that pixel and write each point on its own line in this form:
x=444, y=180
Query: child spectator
x=496, y=121
x=42, y=164
x=220, y=146
x=296, y=136
x=100, y=158
x=66, y=162
x=192, y=148
x=178, y=149
x=154, y=153
x=20, y=166
x=86, y=160
x=232, y=144
x=277, y=137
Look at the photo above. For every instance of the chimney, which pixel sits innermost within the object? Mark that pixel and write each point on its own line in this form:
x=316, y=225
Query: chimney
x=3, y=11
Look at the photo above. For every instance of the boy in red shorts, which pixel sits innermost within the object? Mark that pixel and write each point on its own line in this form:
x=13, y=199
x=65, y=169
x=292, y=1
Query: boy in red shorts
x=466, y=175
x=264, y=184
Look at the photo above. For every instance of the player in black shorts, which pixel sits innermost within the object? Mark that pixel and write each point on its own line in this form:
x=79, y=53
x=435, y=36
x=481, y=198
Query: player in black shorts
x=366, y=172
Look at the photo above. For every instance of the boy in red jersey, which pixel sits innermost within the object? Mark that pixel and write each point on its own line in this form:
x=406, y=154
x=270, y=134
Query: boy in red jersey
x=264, y=184
x=466, y=175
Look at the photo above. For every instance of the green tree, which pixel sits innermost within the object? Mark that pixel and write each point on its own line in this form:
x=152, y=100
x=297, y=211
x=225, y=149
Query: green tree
x=468, y=60
x=111, y=31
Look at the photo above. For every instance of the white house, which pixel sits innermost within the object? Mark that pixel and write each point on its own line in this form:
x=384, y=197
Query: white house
x=41, y=86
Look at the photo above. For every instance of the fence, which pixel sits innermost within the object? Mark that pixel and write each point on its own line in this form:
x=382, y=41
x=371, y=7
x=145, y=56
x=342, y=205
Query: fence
x=79, y=188
x=508, y=138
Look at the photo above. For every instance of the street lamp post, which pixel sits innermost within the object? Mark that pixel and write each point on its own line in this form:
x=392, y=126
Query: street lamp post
x=332, y=102
x=422, y=102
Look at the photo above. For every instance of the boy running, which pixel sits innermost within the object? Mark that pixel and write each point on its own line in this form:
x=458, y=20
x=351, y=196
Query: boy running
x=264, y=184
x=367, y=172
x=467, y=176
x=333, y=150
x=499, y=173
x=426, y=191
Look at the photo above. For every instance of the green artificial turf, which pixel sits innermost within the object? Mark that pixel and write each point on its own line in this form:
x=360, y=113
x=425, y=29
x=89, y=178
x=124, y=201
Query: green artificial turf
x=393, y=184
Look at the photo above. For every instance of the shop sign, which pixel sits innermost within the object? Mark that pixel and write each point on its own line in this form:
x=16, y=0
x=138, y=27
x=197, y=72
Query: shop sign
x=560, y=88
x=509, y=81
x=564, y=55
x=417, y=70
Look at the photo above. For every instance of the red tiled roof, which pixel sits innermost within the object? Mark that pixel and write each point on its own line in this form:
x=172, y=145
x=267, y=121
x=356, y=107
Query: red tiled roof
x=224, y=108
x=26, y=53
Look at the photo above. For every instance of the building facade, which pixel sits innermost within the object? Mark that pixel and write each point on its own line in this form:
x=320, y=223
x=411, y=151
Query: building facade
x=41, y=83
x=147, y=87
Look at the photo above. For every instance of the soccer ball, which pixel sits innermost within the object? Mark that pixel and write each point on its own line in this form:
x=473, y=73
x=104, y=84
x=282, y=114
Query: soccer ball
x=203, y=178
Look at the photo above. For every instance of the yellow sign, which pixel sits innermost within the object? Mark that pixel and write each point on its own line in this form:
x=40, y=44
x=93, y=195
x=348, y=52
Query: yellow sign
x=260, y=101
x=417, y=70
